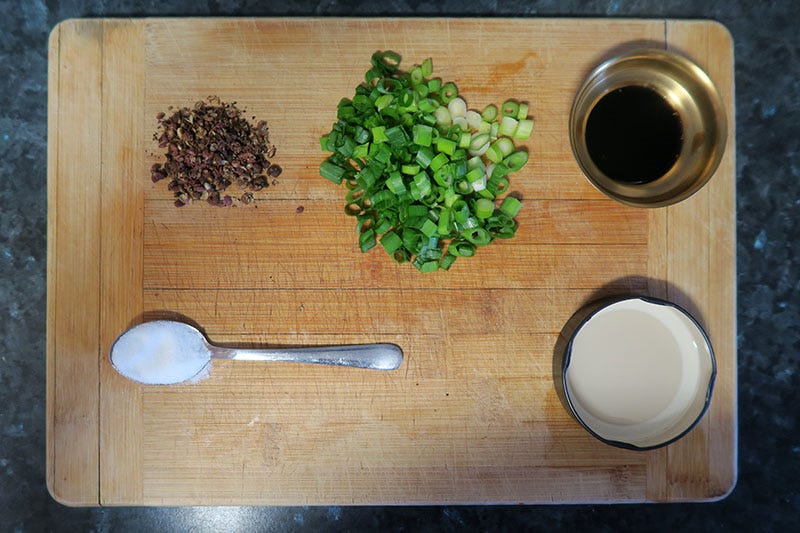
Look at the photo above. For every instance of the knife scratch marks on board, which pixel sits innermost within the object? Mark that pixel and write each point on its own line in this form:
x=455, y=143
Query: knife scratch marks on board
x=383, y=33
x=449, y=36
x=242, y=38
x=266, y=34
x=373, y=394
x=174, y=40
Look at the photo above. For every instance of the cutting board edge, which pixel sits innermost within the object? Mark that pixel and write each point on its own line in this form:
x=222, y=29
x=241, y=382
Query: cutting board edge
x=62, y=488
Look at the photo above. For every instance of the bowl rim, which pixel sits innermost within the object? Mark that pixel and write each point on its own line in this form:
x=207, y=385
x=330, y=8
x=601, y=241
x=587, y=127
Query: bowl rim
x=600, y=305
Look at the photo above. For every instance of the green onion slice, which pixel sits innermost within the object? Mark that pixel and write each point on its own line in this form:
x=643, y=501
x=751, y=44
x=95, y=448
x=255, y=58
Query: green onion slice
x=489, y=113
x=510, y=206
x=510, y=109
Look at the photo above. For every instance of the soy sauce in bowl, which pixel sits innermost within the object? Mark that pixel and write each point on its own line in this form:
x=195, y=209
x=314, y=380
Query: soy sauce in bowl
x=634, y=135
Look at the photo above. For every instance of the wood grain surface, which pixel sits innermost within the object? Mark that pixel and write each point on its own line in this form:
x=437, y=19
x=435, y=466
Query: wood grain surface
x=472, y=415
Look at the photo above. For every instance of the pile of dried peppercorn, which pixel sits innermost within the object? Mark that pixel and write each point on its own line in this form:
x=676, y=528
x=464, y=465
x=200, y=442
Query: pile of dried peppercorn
x=209, y=148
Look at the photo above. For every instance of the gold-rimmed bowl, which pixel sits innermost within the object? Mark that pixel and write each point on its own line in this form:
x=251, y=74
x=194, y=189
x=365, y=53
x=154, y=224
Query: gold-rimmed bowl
x=689, y=91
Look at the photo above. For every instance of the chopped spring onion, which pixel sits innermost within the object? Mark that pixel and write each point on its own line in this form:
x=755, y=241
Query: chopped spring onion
x=421, y=134
x=395, y=184
x=457, y=107
x=484, y=208
x=461, y=249
x=479, y=144
x=383, y=101
x=516, y=160
x=510, y=109
x=391, y=242
x=447, y=261
x=494, y=154
x=378, y=134
x=416, y=76
x=474, y=175
x=505, y=145
x=474, y=119
x=414, y=160
x=427, y=67
x=477, y=236
x=480, y=185
x=332, y=171
x=510, y=206
x=424, y=157
x=475, y=162
x=445, y=146
x=438, y=161
x=366, y=240
x=499, y=149
x=449, y=92
x=461, y=122
x=524, y=128
x=427, y=105
x=409, y=169
x=508, y=125
x=442, y=116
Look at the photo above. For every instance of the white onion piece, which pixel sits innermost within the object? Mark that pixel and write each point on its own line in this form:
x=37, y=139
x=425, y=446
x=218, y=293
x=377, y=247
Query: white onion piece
x=475, y=162
x=442, y=116
x=479, y=185
x=474, y=119
x=461, y=122
x=480, y=151
x=457, y=107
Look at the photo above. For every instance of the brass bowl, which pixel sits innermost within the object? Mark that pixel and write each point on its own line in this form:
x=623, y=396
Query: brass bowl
x=691, y=94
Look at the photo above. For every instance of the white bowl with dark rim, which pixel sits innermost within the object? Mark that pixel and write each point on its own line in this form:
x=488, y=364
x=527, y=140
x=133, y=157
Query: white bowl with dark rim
x=638, y=372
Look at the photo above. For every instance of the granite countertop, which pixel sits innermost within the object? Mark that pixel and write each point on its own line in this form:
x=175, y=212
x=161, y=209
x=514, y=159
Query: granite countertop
x=767, y=496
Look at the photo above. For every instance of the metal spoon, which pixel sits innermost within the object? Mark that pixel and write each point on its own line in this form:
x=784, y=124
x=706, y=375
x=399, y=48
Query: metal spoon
x=164, y=352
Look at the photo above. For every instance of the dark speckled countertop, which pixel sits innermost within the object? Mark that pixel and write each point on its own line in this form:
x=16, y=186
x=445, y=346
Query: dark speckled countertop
x=767, y=497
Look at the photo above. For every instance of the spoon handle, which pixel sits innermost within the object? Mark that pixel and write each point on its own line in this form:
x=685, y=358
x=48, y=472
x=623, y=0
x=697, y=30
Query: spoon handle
x=372, y=356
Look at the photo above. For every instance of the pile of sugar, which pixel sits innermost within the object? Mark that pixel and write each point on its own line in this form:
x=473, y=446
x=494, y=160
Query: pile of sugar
x=160, y=353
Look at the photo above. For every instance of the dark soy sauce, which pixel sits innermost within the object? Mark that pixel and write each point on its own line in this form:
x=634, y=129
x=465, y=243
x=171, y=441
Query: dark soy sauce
x=633, y=135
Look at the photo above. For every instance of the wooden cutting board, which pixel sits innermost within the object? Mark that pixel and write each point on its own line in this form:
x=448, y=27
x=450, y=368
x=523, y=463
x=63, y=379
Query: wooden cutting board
x=472, y=415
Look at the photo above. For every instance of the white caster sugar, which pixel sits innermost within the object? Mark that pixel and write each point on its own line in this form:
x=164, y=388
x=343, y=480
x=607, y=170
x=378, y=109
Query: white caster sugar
x=160, y=353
